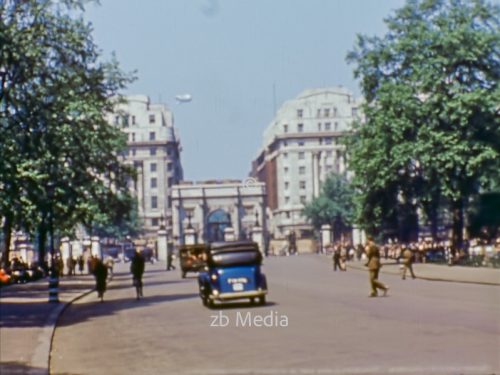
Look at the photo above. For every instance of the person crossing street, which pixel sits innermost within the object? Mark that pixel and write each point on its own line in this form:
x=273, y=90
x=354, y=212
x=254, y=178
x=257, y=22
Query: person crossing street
x=374, y=265
x=137, y=269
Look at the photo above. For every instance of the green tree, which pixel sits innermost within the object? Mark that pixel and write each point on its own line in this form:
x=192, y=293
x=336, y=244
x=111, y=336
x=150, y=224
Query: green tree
x=59, y=154
x=432, y=133
x=334, y=205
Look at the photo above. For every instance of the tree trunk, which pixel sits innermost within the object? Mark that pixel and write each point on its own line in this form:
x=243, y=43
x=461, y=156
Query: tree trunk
x=458, y=224
x=7, y=234
x=42, y=240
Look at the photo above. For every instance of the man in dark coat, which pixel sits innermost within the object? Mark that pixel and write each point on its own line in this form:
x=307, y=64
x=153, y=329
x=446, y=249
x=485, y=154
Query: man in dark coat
x=137, y=269
x=100, y=274
x=336, y=259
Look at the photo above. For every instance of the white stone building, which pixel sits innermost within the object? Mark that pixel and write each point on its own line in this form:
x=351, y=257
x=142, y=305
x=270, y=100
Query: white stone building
x=154, y=151
x=301, y=148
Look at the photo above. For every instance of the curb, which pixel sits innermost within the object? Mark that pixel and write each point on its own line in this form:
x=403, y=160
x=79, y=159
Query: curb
x=41, y=358
x=432, y=278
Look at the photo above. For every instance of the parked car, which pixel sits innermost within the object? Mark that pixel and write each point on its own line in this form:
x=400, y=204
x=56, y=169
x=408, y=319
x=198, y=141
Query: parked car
x=192, y=258
x=233, y=272
x=4, y=277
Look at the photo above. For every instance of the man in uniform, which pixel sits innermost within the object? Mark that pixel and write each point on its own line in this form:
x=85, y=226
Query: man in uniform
x=373, y=264
x=408, y=263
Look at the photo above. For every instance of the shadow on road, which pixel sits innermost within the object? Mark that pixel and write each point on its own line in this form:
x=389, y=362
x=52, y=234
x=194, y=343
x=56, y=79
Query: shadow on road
x=18, y=368
x=87, y=311
x=240, y=305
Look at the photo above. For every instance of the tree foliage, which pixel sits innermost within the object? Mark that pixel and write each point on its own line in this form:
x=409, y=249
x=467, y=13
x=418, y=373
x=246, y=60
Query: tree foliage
x=54, y=94
x=431, y=134
x=333, y=206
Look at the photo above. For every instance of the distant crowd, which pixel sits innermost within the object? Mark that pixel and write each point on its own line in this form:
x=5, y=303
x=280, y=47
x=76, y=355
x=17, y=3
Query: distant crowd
x=473, y=253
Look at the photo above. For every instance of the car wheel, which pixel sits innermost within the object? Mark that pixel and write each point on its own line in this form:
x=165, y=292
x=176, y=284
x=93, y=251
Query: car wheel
x=183, y=275
x=262, y=300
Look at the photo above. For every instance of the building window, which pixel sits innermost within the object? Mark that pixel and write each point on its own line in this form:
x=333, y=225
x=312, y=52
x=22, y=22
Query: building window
x=117, y=120
x=328, y=141
x=303, y=199
x=169, y=166
x=285, y=128
x=152, y=167
x=132, y=136
x=169, y=202
x=285, y=155
x=336, y=126
x=302, y=155
x=327, y=112
x=300, y=113
x=152, y=136
x=137, y=164
x=152, y=119
x=334, y=112
x=300, y=128
x=302, y=170
x=285, y=170
x=152, y=151
x=287, y=185
x=154, y=222
x=133, y=120
x=169, y=181
x=300, y=143
x=328, y=126
x=319, y=126
x=287, y=200
x=302, y=184
x=133, y=151
x=125, y=120
x=154, y=182
x=154, y=201
x=285, y=143
x=318, y=113
x=354, y=112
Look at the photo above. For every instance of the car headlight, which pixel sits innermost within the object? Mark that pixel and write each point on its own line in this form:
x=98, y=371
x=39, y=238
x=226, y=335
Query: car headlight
x=213, y=276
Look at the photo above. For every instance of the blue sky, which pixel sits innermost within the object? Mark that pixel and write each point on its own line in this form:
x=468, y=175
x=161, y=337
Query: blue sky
x=229, y=54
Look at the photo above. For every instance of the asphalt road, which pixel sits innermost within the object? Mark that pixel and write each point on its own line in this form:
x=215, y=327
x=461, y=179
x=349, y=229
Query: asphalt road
x=316, y=322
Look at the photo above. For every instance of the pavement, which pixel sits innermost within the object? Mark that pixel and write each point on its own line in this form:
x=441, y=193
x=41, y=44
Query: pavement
x=439, y=272
x=28, y=320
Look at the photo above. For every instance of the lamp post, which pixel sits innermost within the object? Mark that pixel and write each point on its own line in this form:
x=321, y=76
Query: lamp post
x=54, y=274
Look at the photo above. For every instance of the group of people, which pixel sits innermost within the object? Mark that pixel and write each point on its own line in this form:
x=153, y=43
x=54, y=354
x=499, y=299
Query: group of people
x=372, y=254
x=101, y=269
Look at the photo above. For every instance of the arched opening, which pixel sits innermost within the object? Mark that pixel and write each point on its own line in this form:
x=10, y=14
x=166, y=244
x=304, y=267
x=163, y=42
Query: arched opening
x=217, y=221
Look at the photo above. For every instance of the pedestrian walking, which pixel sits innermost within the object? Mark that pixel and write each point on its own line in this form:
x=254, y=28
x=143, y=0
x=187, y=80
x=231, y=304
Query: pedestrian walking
x=343, y=257
x=408, y=263
x=100, y=274
x=170, y=258
x=374, y=265
x=336, y=259
x=137, y=269
x=81, y=264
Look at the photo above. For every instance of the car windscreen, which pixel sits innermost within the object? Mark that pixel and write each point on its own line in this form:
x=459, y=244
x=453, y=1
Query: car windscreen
x=235, y=258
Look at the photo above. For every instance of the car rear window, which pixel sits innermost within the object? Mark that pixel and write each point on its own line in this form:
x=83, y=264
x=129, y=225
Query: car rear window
x=235, y=258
